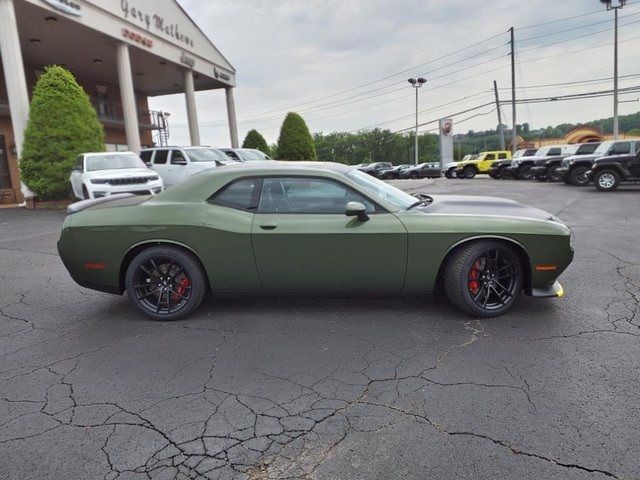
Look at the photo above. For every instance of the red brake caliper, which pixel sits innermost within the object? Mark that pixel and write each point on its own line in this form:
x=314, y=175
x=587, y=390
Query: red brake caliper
x=474, y=273
x=184, y=284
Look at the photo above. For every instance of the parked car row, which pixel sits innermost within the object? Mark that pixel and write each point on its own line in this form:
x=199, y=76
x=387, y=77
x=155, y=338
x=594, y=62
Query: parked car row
x=606, y=164
x=100, y=174
x=388, y=171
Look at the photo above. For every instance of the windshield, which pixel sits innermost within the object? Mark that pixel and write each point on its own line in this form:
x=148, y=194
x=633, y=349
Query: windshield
x=542, y=152
x=381, y=190
x=603, y=149
x=258, y=153
x=247, y=156
x=206, y=155
x=570, y=149
x=113, y=162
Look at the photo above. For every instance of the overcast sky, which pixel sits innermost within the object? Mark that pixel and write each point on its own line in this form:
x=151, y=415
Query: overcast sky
x=295, y=55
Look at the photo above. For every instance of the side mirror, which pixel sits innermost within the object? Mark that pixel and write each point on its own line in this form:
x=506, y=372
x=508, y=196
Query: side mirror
x=357, y=209
x=179, y=161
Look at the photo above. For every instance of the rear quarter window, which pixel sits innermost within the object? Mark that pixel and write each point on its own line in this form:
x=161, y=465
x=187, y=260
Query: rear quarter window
x=160, y=157
x=241, y=194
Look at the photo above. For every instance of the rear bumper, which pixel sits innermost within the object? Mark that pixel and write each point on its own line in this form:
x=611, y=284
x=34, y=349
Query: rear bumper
x=554, y=291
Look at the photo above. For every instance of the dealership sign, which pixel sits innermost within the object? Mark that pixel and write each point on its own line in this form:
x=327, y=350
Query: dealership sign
x=136, y=37
x=446, y=141
x=154, y=22
x=65, y=6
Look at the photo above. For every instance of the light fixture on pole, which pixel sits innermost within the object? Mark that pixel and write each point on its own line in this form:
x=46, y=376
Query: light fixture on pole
x=615, y=5
x=416, y=83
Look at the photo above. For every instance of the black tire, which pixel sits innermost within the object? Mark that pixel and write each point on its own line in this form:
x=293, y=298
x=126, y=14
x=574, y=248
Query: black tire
x=553, y=175
x=525, y=173
x=498, y=278
x=495, y=176
x=505, y=174
x=179, y=275
x=447, y=174
x=85, y=192
x=413, y=176
x=606, y=180
x=578, y=176
x=469, y=172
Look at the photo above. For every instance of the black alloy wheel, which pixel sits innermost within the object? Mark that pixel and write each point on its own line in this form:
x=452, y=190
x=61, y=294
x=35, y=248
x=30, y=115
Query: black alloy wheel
x=165, y=282
x=484, y=278
x=525, y=173
x=504, y=174
x=469, y=172
x=553, y=175
x=578, y=176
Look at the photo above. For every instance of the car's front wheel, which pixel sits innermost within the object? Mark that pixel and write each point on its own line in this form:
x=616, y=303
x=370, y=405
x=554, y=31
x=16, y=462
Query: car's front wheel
x=553, y=173
x=165, y=282
x=525, y=173
x=578, y=176
x=484, y=278
x=606, y=180
x=469, y=172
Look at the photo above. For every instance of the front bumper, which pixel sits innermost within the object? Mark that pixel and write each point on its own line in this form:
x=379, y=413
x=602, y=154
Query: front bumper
x=554, y=291
x=563, y=171
x=104, y=190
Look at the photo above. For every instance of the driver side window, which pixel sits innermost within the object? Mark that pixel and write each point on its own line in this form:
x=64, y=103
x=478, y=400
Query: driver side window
x=307, y=195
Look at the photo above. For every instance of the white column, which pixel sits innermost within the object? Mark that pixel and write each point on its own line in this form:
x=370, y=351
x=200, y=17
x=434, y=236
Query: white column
x=14, y=76
x=129, y=107
x=231, y=116
x=192, y=114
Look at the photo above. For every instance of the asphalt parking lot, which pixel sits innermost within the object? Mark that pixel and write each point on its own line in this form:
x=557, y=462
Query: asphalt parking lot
x=327, y=389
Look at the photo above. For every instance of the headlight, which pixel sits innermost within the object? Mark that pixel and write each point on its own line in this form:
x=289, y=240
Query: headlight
x=100, y=181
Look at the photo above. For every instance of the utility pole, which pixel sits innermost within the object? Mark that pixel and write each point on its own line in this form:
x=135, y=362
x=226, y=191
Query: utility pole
x=514, y=147
x=616, y=124
x=500, y=127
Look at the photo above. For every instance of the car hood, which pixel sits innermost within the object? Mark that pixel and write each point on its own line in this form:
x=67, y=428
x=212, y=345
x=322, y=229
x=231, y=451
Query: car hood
x=566, y=161
x=121, y=173
x=608, y=158
x=483, y=206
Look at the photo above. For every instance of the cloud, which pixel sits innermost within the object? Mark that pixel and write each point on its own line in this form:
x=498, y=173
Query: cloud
x=295, y=55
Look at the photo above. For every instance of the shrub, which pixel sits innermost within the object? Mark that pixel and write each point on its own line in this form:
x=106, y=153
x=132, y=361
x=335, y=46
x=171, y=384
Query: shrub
x=295, y=141
x=255, y=140
x=62, y=124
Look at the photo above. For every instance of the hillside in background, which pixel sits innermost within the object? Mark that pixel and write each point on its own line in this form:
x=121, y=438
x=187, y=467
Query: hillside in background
x=385, y=146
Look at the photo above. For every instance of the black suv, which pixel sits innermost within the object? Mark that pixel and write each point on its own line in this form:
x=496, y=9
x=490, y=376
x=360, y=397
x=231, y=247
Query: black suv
x=608, y=172
x=520, y=168
x=499, y=170
x=574, y=169
x=548, y=168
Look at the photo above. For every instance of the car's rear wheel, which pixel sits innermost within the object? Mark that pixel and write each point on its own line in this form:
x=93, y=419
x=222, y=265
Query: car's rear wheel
x=448, y=174
x=469, y=172
x=484, y=278
x=553, y=173
x=578, y=176
x=495, y=176
x=505, y=174
x=165, y=282
x=525, y=173
x=606, y=180
x=413, y=176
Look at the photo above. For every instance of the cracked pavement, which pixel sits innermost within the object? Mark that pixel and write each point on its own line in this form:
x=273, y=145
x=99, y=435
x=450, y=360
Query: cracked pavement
x=327, y=388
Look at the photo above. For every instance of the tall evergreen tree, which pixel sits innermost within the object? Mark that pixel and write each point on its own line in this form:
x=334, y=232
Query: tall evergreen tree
x=255, y=140
x=62, y=124
x=295, y=141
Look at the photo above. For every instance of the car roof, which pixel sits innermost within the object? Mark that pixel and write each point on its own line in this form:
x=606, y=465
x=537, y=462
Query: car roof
x=190, y=147
x=93, y=154
x=278, y=166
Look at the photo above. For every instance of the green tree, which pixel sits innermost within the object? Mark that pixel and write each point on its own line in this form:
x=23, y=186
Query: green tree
x=62, y=124
x=255, y=140
x=295, y=141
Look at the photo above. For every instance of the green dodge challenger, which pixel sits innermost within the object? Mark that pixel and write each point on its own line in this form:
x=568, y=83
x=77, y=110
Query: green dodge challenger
x=309, y=227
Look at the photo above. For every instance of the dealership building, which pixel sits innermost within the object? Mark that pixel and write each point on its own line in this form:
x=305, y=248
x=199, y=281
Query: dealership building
x=122, y=52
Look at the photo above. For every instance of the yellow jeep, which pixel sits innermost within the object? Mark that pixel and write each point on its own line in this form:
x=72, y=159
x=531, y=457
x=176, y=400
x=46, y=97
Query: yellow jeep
x=481, y=163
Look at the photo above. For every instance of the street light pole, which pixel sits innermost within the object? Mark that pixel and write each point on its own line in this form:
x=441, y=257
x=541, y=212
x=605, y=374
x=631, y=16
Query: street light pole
x=416, y=83
x=615, y=5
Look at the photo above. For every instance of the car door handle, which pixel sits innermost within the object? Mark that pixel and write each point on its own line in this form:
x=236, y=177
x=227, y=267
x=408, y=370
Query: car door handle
x=269, y=226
